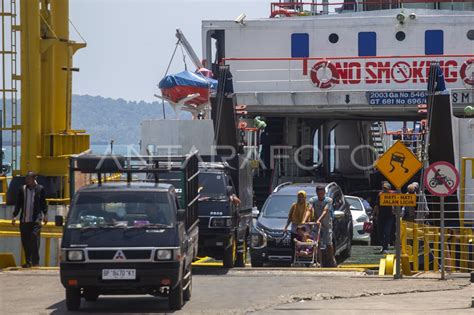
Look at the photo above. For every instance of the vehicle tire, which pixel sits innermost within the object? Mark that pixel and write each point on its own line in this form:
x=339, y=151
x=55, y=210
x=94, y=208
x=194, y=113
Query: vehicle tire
x=176, y=297
x=91, y=294
x=187, y=292
x=242, y=257
x=256, y=263
x=230, y=254
x=73, y=299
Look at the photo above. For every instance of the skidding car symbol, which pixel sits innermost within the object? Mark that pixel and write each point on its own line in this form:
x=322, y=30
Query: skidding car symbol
x=399, y=158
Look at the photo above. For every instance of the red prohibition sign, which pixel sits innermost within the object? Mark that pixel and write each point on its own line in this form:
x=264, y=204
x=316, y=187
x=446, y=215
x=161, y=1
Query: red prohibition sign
x=399, y=72
x=441, y=179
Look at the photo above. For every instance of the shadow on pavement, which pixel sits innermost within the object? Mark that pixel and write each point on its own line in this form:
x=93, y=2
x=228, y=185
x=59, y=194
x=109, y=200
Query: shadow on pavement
x=117, y=305
x=209, y=271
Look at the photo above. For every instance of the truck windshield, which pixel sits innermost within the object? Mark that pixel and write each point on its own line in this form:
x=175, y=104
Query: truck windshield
x=212, y=185
x=121, y=209
x=278, y=206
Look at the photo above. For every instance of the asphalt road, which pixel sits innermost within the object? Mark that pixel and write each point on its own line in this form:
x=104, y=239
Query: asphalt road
x=217, y=291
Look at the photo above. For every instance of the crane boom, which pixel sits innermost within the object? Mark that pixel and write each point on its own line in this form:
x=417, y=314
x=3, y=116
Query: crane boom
x=189, y=49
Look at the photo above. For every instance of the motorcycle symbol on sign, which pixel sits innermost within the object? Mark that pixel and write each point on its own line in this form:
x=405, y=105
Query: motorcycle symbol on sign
x=440, y=179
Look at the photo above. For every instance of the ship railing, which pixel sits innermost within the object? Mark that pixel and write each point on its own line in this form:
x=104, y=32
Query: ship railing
x=415, y=141
x=344, y=73
x=311, y=8
x=428, y=236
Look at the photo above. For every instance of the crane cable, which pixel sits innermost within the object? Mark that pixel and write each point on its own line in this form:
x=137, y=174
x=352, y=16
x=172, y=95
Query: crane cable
x=166, y=73
x=184, y=56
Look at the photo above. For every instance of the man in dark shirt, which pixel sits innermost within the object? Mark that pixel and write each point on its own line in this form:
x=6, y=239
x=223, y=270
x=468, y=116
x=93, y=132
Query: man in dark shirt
x=385, y=219
x=31, y=206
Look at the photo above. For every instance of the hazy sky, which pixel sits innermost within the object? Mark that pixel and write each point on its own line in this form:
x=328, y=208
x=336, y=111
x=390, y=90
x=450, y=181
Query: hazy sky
x=130, y=42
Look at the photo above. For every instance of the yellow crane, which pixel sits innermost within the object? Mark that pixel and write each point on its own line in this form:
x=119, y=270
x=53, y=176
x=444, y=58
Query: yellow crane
x=47, y=139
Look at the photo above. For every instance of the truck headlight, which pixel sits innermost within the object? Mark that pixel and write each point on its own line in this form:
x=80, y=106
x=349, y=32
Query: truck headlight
x=258, y=239
x=362, y=218
x=75, y=255
x=221, y=222
x=164, y=254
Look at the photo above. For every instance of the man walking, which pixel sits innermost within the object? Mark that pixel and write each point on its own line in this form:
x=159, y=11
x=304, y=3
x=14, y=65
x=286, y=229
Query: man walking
x=31, y=206
x=322, y=212
x=385, y=218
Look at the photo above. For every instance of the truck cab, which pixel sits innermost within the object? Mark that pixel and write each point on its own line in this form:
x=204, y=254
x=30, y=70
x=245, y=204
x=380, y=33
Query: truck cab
x=130, y=238
x=224, y=222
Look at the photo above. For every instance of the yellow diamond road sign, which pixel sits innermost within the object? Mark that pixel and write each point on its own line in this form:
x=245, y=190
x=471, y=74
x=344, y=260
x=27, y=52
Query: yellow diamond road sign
x=398, y=164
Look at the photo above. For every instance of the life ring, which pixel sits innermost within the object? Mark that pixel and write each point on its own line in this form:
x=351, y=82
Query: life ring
x=328, y=83
x=281, y=12
x=463, y=72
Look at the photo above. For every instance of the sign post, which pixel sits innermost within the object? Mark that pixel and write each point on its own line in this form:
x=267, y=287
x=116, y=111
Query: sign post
x=443, y=237
x=398, y=165
x=441, y=179
x=398, y=246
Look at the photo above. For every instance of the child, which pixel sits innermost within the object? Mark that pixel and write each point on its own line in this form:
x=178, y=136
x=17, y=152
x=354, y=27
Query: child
x=303, y=237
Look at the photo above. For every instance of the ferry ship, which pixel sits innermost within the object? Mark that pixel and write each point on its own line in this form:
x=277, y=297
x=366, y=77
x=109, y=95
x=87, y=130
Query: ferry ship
x=329, y=77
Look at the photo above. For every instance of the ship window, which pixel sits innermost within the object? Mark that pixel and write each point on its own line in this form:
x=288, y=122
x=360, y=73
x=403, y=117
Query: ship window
x=367, y=44
x=317, y=158
x=470, y=34
x=400, y=36
x=333, y=38
x=434, y=43
x=299, y=45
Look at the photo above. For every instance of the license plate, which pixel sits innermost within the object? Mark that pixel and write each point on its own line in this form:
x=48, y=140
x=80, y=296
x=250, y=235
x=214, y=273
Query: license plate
x=119, y=274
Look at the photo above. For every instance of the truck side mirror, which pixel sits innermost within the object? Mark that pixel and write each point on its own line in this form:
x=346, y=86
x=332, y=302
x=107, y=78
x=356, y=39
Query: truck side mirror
x=181, y=214
x=230, y=190
x=58, y=220
x=339, y=214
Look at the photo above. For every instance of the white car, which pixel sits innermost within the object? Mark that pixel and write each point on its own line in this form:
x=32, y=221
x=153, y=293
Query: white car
x=359, y=216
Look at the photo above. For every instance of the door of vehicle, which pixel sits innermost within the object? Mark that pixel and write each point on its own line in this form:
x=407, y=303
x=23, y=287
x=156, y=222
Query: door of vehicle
x=186, y=237
x=339, y=225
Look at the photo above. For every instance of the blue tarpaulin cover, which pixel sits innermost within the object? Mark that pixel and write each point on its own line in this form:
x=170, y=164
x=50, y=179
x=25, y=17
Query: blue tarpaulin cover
x=187, y=78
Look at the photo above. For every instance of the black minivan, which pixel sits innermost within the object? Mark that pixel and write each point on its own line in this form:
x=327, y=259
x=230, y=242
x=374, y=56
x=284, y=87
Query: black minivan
x=131, y=237
x=269, y=244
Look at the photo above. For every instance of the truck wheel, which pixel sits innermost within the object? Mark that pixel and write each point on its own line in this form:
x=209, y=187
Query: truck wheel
x=91, y=294
x=230, y=254
x=187, y=292
x=73, y=299
x=242, y=257
x=176, y=298
x=256, y=262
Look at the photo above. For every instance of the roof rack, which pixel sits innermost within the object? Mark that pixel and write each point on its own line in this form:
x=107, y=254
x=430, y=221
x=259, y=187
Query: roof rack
x=214, y=165
x=279, y=187
x=100, y=165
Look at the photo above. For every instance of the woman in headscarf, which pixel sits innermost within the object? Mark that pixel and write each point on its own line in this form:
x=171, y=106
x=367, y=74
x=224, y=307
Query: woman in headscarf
x=298, y=212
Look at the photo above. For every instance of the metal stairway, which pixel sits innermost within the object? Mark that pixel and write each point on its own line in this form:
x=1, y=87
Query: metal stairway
x=10, y=77
x=377, y=131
